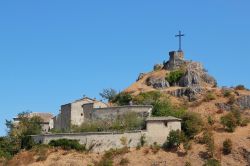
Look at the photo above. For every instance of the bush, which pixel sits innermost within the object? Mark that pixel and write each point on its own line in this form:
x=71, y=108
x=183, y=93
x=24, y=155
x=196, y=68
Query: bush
x=244, y=122
x=231, y=100
x=231, y=120
x=191, y=124
x=155, y=148
x=174, y=76
x=227, y=146
x=210, y=120
x=122, y=98
x=165, y=108
x=209, y=141
x=227, y=93
x=240, y=87
x=108, y=94
x=124, y=161
x=174, y=140
x=147, y=98
x=67, y=144
x=212, y=162
x=209, y=96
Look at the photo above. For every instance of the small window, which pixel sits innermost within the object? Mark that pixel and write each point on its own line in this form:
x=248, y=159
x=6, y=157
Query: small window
x=166, y=124
x=81, y=114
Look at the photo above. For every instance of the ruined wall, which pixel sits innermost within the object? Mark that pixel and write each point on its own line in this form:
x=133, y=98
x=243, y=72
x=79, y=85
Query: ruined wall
x=113, y=112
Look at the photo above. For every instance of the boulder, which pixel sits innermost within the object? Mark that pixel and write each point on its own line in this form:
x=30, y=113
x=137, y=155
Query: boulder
x=157, y=83
x=191, y=93
x=141, y=75
x=243, y=102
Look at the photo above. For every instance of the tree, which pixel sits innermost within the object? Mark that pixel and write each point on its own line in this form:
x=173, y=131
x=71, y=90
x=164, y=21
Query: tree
x=19, y=134
x=191, y=124
x=123, y=98
x=174, y=139
x=108, y=94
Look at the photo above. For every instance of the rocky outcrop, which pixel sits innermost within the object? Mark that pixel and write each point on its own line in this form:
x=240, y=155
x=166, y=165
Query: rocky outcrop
x=176, y=60
x=158, y=67
x=157, y=83
x=243, y=102
x=141, y=75
x=190, y=92
x=195, y=75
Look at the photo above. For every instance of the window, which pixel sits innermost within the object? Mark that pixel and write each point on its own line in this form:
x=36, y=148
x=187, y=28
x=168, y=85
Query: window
x=166, y=124
x=81, y=114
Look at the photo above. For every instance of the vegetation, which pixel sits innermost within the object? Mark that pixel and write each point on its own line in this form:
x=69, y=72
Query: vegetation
x=174, y=139
x=227, y=146
x=240, y=87
x=129, y=121
x=231, y=120
x=174, y=76
x=122, y=98
x=124, y=161
x=210, y=120
x=108, y=94
x=107, y=158
x=148, y=98
x=212, y=162
x=209, y=96
x=209, y=142
x=227, y=93
x=192, y=124
x=67, y=144
x=18, y=136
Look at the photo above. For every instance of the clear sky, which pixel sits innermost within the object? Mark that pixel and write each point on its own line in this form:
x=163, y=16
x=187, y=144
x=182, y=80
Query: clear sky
x=53, y=52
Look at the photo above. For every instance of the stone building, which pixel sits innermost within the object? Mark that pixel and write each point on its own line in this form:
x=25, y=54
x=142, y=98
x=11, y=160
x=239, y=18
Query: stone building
x=47, y=122
x=77, y=112
x=73, y=113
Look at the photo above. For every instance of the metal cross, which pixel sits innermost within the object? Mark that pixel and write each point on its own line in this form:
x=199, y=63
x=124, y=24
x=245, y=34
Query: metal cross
x=179, y=35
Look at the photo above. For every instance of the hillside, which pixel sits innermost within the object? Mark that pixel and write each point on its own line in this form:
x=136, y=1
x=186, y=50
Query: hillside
x=187, y=85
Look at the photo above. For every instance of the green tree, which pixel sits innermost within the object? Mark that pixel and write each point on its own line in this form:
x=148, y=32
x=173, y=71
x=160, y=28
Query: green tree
x=123, y=98
x=174, y=139
x=191, y=124
x=108, y=94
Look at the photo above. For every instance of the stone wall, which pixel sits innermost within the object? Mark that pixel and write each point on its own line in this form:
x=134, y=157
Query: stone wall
x=101, y=140
x=113, y=112
x=157, y=131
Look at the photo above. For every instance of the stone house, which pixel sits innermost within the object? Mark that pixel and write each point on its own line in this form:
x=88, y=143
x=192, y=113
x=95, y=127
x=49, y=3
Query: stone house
x=88, y=109
x=73, y=114
x=47, y=122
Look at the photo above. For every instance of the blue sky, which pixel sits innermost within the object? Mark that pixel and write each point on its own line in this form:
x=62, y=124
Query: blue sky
x=53, y=52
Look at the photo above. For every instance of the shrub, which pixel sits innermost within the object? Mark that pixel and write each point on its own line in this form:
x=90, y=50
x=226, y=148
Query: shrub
x=174, y=140
x=122, y=98
x=209, y=96
x=210, y=120
x=67, y=144
x=227, y=93
x=244, y=122
x=124, y=161
x=147, y=98
x=240, y=87
x=174, y=76
x=227, y=146
x=209, y=141
x=143, y=140
x=187, y=145
x=165, y=108
x=231, y=100
x=212, y=162
x=231, y=120
x=191, y=124
x=155, y=148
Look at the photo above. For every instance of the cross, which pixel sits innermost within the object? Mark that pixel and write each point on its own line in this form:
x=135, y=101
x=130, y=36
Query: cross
x=179, y=35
